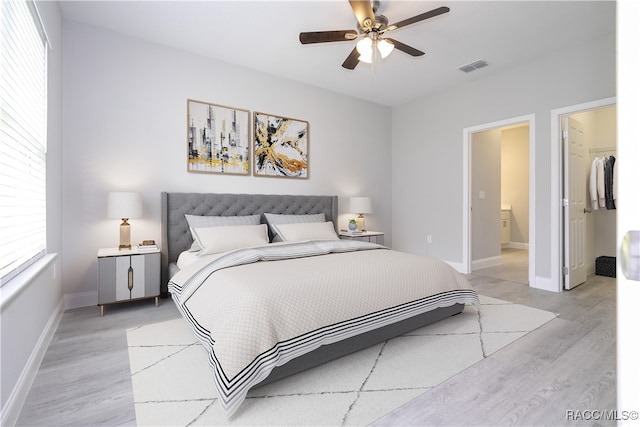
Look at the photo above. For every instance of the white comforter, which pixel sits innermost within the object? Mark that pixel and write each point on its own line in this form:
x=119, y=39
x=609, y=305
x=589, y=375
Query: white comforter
x=255, y=309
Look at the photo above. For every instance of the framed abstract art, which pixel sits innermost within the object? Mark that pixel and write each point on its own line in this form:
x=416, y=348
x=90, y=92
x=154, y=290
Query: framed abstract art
x=280, y=146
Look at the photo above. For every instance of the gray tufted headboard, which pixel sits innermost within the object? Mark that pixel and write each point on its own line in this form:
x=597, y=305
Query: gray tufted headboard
x=176, y=236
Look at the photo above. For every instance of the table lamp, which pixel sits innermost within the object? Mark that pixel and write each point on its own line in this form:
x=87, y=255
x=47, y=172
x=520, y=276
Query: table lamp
x=124, y=205
x=360, y=205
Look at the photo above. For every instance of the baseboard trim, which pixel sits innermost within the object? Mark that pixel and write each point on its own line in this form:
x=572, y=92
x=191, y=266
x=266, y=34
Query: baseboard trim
x=80, y=299
x=456, y=265
x=13, y=407
x=486, y=262
x=546, y=284
x=517, y=245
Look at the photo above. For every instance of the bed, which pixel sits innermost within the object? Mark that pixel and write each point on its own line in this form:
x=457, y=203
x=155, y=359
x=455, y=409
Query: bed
x=298, y=296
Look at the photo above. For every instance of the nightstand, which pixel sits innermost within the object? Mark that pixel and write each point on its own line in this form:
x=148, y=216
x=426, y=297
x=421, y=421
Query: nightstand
x=365, y=236
x=127, y=275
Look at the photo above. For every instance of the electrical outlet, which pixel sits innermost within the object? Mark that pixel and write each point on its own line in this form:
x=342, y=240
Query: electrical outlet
x=429, y=239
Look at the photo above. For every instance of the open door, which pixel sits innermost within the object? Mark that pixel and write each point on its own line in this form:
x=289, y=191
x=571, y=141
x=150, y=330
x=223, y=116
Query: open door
x=574, y=202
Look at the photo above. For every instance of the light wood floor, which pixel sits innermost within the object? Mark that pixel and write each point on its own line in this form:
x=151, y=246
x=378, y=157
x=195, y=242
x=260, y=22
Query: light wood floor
x=514, y=267
x=568, y=364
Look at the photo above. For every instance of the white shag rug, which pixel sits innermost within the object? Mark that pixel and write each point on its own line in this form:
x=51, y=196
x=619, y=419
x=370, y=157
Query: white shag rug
x=173, y=385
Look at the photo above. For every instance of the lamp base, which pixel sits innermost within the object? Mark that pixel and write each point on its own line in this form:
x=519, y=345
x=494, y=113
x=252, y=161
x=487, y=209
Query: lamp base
x=125, y=235
x=360, y=222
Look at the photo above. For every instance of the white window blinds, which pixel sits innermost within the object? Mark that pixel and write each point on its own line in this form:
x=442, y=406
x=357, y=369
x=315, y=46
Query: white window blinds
x=23, y=65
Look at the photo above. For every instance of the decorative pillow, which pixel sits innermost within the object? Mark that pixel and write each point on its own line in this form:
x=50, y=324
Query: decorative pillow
x=213, y=240
x=298, y=232
x=217, y=221
x=275, y=219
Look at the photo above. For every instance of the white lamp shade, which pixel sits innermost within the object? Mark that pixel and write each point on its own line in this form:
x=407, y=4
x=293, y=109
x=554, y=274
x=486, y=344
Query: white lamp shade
x=365, y=58
x=360, y=205
x=365, y=49
x=364, y=46
x=122, y=204
x=385, y=47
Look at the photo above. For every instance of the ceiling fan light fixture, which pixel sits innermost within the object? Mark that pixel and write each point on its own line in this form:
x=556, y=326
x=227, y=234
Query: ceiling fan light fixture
x=370, y=26
x=364, y=47
x=385, y=47
x=365, y=58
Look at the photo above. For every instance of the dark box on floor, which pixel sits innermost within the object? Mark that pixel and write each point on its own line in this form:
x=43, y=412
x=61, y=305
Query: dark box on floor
x=606, y=266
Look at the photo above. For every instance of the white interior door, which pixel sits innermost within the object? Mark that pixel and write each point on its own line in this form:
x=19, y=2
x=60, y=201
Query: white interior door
x=575, y=202
x=628, y=213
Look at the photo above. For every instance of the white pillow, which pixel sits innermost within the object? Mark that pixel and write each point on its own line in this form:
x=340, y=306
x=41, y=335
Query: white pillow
x=222, y=239
x=299, y=232
x=217, y=221
x=275, y=219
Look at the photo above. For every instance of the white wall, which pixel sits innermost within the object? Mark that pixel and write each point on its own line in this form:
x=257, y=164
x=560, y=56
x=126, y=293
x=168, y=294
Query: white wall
x=31, y=304
x=514, y=180
x=125, y=129
x=485, y=178
x=427, y=144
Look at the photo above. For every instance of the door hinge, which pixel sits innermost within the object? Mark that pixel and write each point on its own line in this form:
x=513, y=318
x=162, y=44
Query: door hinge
x=565, y=134
x=565, y=270
x=565, y=202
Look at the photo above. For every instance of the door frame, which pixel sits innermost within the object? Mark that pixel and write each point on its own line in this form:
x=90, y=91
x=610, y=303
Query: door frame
x=557, y=184
x=466, y=188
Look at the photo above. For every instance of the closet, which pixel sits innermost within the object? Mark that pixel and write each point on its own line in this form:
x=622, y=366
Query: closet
x=600, y=237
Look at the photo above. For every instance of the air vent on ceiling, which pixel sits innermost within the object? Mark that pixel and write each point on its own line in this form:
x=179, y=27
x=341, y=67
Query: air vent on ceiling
x=475, y=65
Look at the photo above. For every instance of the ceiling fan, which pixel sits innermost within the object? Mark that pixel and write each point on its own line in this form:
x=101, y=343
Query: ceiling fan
x=371, y=27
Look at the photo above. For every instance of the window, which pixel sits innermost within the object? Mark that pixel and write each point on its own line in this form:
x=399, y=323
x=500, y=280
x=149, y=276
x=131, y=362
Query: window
x=23, y=88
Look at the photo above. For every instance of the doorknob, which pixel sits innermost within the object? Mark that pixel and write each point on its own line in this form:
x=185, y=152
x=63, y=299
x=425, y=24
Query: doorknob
x=587, y=210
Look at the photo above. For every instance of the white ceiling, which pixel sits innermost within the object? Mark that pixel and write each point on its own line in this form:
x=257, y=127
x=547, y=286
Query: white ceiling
x=263, y=35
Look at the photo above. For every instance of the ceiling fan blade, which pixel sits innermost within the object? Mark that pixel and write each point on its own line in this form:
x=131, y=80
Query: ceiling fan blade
x=405, y=48
x=418, y=18
x=363, y=10
x=352, y=60
x=327, y=36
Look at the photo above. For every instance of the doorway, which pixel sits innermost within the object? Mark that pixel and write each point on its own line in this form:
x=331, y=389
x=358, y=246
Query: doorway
x=500, y=202
x=482, y=198
x=557, y=226
x=589, y=215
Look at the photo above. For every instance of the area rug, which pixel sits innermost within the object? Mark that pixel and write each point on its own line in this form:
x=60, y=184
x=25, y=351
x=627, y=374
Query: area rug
x=173, y=385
